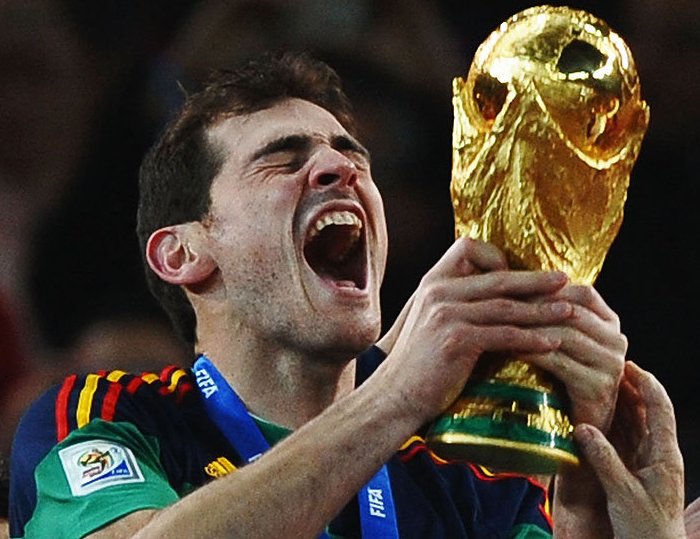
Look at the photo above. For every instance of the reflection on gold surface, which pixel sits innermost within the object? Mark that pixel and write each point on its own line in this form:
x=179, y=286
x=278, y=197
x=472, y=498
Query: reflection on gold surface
x=548, y=125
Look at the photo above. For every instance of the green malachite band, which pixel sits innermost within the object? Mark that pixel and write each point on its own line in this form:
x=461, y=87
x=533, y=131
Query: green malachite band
x=524, y=395
x=484, y=427
x=505, y=427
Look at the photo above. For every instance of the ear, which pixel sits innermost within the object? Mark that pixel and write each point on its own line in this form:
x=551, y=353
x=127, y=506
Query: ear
x=178, y=256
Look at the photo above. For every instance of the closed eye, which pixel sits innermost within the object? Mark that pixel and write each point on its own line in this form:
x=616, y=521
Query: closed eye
x=289, y=152
x=288, y=161
x=351, y=148
x=292, y=151
x=289, y=143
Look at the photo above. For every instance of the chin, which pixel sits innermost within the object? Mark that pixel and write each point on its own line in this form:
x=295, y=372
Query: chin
x=361, y=340
x=348, y=339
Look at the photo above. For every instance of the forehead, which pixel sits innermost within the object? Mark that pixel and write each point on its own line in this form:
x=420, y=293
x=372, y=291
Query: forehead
x=241, y=136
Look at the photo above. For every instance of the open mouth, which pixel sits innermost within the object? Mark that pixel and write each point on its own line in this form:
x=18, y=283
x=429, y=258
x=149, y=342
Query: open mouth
x=334, y=249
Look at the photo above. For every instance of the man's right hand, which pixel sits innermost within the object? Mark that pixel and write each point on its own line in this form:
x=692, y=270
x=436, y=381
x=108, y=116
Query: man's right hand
x=468, y=304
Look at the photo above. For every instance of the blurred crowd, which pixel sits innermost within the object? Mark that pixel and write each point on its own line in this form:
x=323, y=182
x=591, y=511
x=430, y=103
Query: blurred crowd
x=85, y=87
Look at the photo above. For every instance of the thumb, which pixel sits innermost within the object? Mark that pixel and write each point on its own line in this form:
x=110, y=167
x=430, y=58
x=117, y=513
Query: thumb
x=386, y=343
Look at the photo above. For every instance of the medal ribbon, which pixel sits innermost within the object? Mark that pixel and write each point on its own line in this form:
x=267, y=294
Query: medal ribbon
x=227, y=410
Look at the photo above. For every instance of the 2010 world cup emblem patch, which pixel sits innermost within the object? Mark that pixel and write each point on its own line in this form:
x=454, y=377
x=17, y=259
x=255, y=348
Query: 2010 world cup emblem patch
x=96, y=464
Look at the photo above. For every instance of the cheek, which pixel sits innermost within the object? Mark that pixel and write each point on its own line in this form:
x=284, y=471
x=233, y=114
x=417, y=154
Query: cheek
x=266, y=213
x=254, y=240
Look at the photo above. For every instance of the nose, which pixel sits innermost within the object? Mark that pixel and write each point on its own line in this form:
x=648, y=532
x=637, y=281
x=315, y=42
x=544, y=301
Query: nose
x=331, y=167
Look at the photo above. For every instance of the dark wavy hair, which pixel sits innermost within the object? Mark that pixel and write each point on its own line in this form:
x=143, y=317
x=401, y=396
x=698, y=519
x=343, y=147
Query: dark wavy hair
x=177, y=172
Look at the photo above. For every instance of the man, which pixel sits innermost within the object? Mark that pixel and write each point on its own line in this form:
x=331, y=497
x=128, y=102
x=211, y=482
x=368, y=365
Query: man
x=265, y=240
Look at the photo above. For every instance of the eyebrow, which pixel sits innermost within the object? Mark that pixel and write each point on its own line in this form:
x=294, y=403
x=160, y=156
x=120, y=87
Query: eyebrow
x=287, y=143
x=345, y=143
x=301, y=143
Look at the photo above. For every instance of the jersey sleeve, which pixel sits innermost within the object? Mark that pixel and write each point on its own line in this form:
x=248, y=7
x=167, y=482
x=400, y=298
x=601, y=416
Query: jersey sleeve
x=94, y=449
x=97, y=475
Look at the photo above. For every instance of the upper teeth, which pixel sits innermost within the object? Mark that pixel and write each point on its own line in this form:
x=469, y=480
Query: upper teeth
x=336, y=218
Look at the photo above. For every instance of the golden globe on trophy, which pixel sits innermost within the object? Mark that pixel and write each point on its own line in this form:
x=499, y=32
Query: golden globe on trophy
x=547, y=127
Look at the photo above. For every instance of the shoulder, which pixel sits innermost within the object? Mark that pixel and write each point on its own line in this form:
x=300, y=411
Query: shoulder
x=143, y=400
x=118, y=408
x=117, y=395
x=367, y=362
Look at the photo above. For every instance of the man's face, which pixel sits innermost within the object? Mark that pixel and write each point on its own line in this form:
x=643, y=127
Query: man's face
x=297, y=229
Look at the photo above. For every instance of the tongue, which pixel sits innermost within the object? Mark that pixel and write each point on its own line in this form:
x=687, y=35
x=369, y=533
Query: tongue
x=345, y=284
x=338, y=283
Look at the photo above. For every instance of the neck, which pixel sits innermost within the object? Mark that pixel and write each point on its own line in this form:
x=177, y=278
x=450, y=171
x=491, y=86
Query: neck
x=280, y=385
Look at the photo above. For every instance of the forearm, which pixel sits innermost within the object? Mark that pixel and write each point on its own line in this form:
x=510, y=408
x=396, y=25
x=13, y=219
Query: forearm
x=301, y=484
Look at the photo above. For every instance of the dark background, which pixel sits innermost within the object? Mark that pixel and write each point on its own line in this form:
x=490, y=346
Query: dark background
x=85, y=86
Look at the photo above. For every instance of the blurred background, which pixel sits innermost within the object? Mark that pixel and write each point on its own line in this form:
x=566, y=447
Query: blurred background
x=86, y=86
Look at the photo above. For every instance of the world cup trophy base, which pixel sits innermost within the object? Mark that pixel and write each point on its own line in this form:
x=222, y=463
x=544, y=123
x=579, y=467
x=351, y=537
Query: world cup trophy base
x=505, y=428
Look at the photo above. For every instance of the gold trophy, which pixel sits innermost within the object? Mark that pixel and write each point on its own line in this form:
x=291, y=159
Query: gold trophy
x=547, y=127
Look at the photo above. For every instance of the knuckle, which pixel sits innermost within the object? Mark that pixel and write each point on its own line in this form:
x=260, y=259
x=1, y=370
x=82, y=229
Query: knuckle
x=510, y=335
x=465, y=244
x=582, y=295
x=544, y=311
x=450, y=343
x=434, y=292
x=504, y=307
x=615, y=320
x=587, y=295
x=427, y=279
x=497, y=282
x=440, y=314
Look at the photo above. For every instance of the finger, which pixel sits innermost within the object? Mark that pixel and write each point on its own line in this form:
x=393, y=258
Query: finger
x=661, y=423
x=505, y=339
x=580, y=347
x=605, y=332
x=629, y=433
x=467, y=256
x=650, y=391
x=604, y=460
x=588, y=297
x=496, y=284
x=630, y=411
x=505, y=311
x=497, y=324
x=483, y=256
x=629, y=392
x=578, y=354
x=592, y=391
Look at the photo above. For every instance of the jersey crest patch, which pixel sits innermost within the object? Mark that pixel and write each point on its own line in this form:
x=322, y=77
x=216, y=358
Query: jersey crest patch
x=96, y=464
